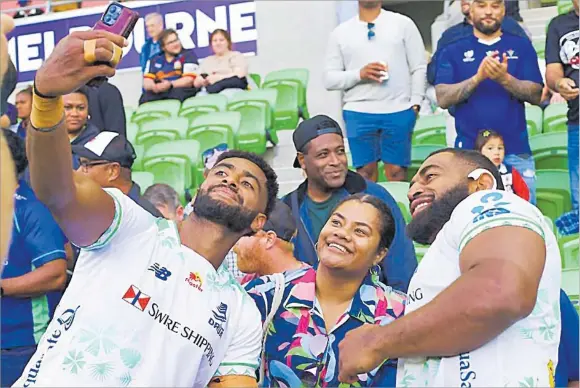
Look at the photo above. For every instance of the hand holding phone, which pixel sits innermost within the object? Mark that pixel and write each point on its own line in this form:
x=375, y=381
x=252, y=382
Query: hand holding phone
x=118, y=20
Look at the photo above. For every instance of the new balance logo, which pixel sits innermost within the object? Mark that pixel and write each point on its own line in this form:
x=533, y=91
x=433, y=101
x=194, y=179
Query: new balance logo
x=220, y=314
x=161, y=273
x=136, y=298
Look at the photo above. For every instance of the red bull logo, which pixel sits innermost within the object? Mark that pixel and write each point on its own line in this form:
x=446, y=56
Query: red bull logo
x=195, y=280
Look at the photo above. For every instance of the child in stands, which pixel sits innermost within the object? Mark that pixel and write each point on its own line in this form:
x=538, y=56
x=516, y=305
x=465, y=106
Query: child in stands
x=490, y=144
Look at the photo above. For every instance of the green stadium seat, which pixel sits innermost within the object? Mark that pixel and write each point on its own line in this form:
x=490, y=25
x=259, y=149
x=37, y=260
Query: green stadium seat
x=569, y=250
x=138, y=163
x=143, y=179
x=553, y=192
x=257, y=78
x=418, y=155
x=159, y=131
x=399, y=191
x=132, y=130
x=129, y=111
x=198, y=105
x=430, y=129
x=287, y=110
x=420, y=251
x=256, y=108
x=555, y=118
x=534, y=119
x=570, y=284
x=539, y=47
x=300, y=77
x=174, y=163
x=550, y=150
x=154, y=110
x=565, y=6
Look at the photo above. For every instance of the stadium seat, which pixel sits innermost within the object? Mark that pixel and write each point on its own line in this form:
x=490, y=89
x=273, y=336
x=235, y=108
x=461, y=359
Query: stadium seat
x=570, y=284
x=132, y=130
x=138, y=163
x=550, y=150
x=129, y=111
x=553, y=192
x=539, y=47
x=287, y=110
x=173, y=163
x=198, y=105
x=154, y=110
x=257, y=78
x=430, y=129
x=418, y=155
x=569, y=250
x=143, y=179
x=298, y=76
x=420, y=251
x=565, y=6
x=399, y=191
x=159, y=131
x=534, y=119
x=256, y=108
x=555, y=118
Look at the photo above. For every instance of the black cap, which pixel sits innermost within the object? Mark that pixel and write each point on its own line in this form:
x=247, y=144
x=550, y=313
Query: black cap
x=109, y=146
x=281, y=222
x=311, y=129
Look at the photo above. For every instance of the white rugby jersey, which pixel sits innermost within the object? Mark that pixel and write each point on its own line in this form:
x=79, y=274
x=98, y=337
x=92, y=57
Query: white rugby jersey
x=144, y=310
x=526, y=353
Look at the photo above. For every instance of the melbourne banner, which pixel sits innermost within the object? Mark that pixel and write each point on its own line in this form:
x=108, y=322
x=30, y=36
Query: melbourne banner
x=34, y=38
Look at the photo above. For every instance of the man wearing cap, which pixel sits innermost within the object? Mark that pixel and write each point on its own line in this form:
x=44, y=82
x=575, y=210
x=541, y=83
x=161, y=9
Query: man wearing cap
x=270, y=250
x=321, y=154
x=107, y=159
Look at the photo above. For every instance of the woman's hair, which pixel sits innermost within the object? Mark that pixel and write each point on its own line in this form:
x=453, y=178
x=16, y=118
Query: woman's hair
x=224, y=33
x=484, y=136
x=386, y=220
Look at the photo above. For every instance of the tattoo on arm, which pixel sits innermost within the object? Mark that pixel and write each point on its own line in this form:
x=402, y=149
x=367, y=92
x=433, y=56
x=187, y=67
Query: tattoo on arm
x=524, y=90
x=453, y=94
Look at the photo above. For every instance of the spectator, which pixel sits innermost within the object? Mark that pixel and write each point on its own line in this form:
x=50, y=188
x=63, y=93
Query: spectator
x=321, y=155
x=474, y=76
x=107, y=159
x=562, y=63
x=34, y=274
x=170, y=75
x=491, y=145
x=106, y=108
x=66, y=7
x=166, y=200
x=568, y=351
x=314, y=313
x=378, y=60
x=154, y=26
x=512, y=10
x=270, y=250
x=226, y=69
x=27, y=12
x=76, y=117
x=24, y=106
x=468, y=318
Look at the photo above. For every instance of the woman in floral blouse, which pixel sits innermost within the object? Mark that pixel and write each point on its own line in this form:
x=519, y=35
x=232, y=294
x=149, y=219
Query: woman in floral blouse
x=320, y=306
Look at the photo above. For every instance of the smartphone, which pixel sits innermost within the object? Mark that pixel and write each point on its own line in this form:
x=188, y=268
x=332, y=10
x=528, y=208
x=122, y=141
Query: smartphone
x=118, y=20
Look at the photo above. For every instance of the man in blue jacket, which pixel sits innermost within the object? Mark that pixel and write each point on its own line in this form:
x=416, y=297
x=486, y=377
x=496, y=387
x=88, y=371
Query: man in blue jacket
x=151, y=47
x=321, y=154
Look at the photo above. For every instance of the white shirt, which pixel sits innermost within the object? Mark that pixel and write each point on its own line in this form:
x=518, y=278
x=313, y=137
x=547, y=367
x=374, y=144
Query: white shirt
x=526, y=353
x=144, y=310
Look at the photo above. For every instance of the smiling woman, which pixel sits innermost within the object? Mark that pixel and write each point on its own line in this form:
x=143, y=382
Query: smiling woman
x=302, y=346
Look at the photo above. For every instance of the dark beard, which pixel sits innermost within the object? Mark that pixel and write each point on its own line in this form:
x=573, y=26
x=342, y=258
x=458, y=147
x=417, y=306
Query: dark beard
x=425, y=226
x=236, y=219
x=487, y=30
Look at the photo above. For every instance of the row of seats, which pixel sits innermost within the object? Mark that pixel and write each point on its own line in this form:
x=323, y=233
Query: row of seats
x=564, y=6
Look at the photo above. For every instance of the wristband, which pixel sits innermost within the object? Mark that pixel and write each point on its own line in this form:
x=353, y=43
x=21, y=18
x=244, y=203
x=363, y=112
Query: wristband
x=47, y=112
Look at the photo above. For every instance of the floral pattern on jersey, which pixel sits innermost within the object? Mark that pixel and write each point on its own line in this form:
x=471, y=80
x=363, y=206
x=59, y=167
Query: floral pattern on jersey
x=299, y=351
x=548, y=314
x=74, y=361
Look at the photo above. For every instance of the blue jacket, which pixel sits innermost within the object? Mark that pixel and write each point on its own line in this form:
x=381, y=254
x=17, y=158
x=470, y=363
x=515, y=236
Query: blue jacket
x=463, y=30
x=567, y=369
x=400, y=263
x=146, y=53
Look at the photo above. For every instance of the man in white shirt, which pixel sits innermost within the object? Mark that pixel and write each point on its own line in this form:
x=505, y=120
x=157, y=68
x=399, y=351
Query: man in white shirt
x=484, y=303
x=150, y=303
x=377, y=58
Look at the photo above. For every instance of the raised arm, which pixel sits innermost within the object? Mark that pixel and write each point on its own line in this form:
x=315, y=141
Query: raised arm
x=82, y=209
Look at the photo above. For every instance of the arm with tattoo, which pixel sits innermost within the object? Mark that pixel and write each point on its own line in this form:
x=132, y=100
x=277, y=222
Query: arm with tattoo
x=527, y=91
x=453, y=94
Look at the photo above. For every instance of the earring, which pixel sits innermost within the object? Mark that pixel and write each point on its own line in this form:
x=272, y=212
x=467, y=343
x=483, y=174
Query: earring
x=374, y=272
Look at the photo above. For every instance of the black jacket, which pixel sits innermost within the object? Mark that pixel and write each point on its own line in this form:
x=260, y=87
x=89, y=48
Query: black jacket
x=106, y=109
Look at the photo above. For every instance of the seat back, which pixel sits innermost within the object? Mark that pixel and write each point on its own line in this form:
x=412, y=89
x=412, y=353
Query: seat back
x=534, y=119
x=156, y=110
x=300, y=75
x=553, y=192
x=430, y=129
x=159, y=131
x=138, y=162
x=399, y=191
x=550, y=150
x=217, y=122
x=195, y=106
x=570, y=284
x=569, y=250
x=174, y=150
x=418, y=155
x=143, y=178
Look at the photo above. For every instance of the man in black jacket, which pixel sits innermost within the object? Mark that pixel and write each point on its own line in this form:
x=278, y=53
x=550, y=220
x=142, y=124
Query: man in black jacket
x=106, y=110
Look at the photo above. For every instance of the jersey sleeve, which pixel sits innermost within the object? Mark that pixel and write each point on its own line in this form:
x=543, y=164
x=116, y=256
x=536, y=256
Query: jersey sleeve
x=488, y=209
x=148, y=73
x=552, y=53
x=444, y=72
x=129, y=220
x=243, y=355
x=191, y=65
x=44, y=238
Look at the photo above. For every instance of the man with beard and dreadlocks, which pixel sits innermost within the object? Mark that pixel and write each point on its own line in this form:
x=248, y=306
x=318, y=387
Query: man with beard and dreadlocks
x=486, y=78
x=150, y=303
x=483, y=306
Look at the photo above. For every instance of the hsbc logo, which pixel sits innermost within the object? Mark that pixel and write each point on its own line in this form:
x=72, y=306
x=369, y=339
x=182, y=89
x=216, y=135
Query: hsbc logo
x=136, y=298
